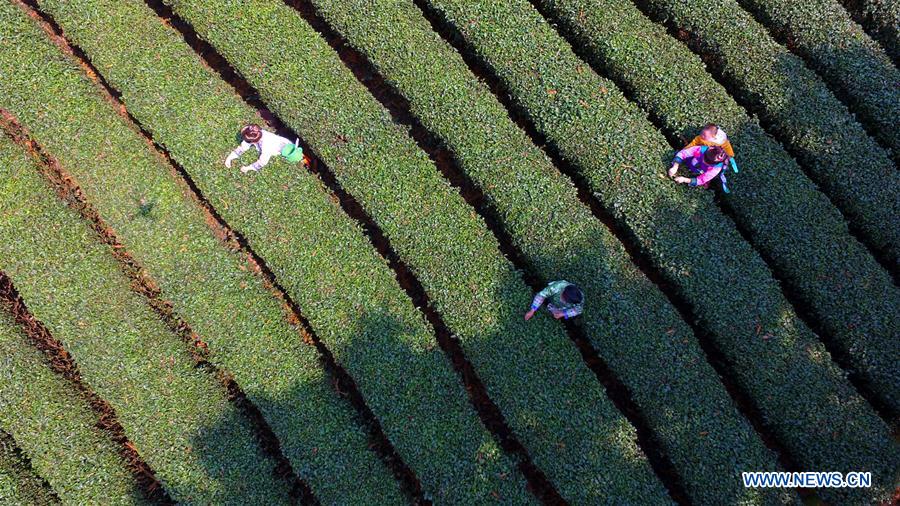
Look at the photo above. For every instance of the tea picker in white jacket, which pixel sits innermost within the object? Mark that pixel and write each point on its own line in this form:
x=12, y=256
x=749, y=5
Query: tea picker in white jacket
x=266, y=143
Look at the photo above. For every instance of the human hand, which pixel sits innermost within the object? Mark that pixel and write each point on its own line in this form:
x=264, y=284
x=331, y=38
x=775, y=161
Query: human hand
x=673, y=170
x=685, y=180
x=228, y=161
x=529, y=314
x=246, y=168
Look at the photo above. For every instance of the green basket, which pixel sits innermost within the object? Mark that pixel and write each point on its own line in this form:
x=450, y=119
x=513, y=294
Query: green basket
x=292, y=153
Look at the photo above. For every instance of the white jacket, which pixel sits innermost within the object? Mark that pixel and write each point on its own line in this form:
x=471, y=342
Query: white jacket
x=268, y=146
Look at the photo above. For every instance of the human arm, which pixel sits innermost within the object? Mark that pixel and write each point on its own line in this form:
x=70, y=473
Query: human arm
x=238, y=151
x=539, y=299
x=568, y=313
x=702, y=179
x=690, y=151
x=258, y=164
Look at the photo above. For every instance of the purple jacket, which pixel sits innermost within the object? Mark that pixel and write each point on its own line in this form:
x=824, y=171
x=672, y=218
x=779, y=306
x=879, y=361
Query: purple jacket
x=694, y=158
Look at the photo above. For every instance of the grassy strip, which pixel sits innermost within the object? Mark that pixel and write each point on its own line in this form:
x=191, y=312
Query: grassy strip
x=54, y=425
x=790, y=221
x=216, y=292
x=822, y=33
x=881, y=19
x=347, y=291
x=664, y=368
x=202, y=449
x=530, y=371
x=19, y=486
x=178, y=416
x=802, y=395
x=795, y=104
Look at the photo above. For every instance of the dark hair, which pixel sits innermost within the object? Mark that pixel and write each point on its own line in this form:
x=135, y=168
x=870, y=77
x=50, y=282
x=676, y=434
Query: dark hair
x=572, y=294
x=711, y=125
x=251, y=133
x=714, y=155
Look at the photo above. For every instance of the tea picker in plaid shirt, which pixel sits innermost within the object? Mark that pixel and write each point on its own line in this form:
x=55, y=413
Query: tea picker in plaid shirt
x=564, y=300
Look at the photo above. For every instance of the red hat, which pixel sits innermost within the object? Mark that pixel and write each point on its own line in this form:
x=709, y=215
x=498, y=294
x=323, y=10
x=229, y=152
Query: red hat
x=251, y=133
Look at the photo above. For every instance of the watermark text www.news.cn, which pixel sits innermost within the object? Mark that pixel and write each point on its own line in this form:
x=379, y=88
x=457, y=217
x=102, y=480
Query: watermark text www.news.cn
x=810, y=479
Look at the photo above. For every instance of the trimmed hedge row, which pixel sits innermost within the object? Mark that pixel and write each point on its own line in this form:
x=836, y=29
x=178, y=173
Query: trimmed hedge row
x=881, y=18
x=318, y=253
x=18, y=483
x=803, y=397
x=799, y=109
x=178, y=416
x=215, y=291
x=822, y=32
x=797, y=228
x=550, y=399
x=365, y=319
x=52, y=423
x=629, y=320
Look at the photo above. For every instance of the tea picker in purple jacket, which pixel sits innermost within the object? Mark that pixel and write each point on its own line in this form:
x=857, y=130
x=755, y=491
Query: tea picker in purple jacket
x=704, y=162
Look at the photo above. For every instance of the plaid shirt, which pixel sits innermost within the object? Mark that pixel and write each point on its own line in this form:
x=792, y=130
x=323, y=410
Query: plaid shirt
x=553, y=295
